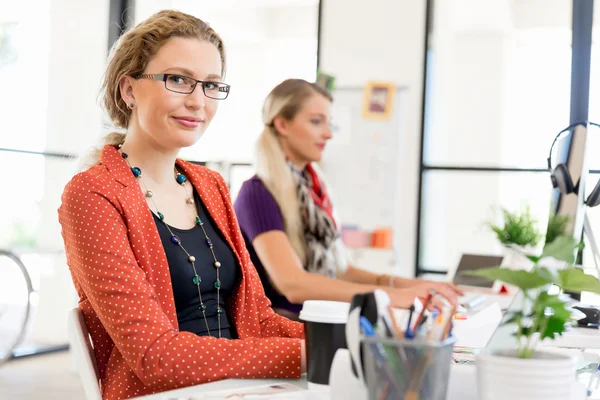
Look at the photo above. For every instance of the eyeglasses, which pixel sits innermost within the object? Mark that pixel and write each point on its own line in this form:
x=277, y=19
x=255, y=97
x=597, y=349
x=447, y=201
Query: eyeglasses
x=186, y=85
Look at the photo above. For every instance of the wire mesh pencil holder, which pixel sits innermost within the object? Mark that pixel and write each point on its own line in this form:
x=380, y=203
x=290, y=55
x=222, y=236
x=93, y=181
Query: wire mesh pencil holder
x=407, y=369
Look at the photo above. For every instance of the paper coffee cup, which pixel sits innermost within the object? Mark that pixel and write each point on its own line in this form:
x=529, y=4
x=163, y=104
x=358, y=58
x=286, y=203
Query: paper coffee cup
x=325, y=329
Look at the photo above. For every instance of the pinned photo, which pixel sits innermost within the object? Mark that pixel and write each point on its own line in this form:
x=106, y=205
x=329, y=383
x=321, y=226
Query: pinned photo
x=378, y=100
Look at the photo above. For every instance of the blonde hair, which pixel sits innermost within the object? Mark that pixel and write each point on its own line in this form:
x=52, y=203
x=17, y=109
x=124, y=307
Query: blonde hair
x=133, y=51
x=285, y=100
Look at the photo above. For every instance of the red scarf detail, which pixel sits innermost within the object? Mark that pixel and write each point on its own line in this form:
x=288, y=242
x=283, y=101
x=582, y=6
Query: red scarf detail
x=318, y=193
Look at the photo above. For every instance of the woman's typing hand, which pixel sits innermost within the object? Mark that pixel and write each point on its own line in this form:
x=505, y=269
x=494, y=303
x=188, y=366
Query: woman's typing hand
x=405, y=297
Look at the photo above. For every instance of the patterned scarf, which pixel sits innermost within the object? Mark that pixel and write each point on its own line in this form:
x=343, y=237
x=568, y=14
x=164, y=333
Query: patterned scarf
x=320, y=231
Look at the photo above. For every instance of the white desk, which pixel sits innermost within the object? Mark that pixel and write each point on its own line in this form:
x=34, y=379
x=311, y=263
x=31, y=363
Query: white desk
x=578, y=338
x=224, y=385
x=462, y=386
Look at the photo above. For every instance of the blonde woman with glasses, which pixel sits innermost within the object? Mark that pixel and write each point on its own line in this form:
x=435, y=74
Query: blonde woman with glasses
x=165, y=282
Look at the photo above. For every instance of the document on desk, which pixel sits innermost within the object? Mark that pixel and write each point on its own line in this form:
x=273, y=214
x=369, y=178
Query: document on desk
x=477, y=329
x=268, y=392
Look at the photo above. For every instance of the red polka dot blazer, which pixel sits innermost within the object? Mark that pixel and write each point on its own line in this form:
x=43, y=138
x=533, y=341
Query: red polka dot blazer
x=120, y=272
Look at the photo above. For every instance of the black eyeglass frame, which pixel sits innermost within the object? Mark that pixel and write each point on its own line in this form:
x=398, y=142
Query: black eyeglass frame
x=164, y=77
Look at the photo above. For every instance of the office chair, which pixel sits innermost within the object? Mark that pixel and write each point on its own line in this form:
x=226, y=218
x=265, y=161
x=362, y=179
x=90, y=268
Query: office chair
x=83, y=353
x=16, y=292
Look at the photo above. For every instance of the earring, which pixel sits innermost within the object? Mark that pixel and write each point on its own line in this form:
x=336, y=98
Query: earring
x=131, y=105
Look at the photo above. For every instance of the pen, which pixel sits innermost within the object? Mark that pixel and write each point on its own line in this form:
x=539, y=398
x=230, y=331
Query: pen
x=425, y=305
x=433, y=325
x=409, y=334
x=388, y=330
x=366, y=327
x=448, y=324
x=423, y=321
x=382, y=357
x=474, y=302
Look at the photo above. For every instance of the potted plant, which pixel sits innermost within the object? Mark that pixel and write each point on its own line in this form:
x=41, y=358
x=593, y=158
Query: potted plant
x=557, y=226
x=525, y=372
x=518, y=233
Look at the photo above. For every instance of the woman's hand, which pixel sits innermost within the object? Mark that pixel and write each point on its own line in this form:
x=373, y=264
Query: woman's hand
x=450, y=291
x=405, y=297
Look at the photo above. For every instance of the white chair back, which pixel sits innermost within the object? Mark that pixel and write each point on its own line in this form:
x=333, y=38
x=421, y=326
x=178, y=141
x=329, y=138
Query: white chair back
x=83, y=354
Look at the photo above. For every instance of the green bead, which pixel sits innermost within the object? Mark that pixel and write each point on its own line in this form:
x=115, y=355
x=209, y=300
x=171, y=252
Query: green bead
x=197, y=280
x=202, y=307
x=217, y=284
x=199, y=221
x=160, y=216
x=219, y=310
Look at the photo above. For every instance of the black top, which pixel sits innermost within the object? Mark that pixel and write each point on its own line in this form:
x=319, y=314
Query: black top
x=187, y=301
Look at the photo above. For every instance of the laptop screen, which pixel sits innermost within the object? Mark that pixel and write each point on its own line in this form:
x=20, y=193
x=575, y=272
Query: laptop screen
x=470, y=262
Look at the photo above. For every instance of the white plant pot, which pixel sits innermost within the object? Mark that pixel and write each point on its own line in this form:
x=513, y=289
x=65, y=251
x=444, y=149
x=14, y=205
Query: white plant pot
x=545, y=376
x=515, y=259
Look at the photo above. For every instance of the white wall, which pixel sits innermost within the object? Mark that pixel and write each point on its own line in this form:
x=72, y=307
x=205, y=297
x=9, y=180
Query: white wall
x=383, y=40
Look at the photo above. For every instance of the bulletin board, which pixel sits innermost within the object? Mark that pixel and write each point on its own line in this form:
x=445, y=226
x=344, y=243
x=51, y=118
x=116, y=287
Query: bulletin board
x=362, y=162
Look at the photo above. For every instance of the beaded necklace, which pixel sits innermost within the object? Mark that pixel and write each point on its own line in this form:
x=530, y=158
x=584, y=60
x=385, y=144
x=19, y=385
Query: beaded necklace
x=181, y=179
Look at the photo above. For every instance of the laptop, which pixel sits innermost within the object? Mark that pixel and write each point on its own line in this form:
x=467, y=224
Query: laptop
x=472, y=262
x=495, y=336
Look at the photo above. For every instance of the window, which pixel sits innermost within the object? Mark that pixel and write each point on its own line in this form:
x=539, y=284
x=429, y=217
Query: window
x=594, y=109
x=458, y=205
x=24, y=47
x=50, y=79
x=497, y=92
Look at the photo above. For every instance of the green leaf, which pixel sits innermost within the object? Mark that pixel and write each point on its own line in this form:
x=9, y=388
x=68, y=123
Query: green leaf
x=519, y=227
x=524, y=280
x=553, y=302
x=562, y=248
x=534, y=259
x=554, y=325
x=575, y=280
x=546, y=273
x=557, y=226
x=524, y=332
x=544, y=300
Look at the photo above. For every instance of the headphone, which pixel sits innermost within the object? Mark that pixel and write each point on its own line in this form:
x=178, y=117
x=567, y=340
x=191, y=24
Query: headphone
x=560, y=176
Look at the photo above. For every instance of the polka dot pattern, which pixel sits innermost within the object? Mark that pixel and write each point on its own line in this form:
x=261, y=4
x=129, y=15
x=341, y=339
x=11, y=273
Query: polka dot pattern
x=120, y=272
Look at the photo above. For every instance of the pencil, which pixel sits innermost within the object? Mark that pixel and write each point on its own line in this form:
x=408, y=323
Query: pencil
x=397, y=331
x=448, y=323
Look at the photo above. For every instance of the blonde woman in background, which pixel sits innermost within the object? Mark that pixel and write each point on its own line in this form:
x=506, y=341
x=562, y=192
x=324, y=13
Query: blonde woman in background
x=286, y=214
x=165, y=282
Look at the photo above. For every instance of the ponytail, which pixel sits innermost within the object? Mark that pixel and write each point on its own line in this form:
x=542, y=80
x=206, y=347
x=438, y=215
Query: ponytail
x=92, y=158
x=276, y=175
